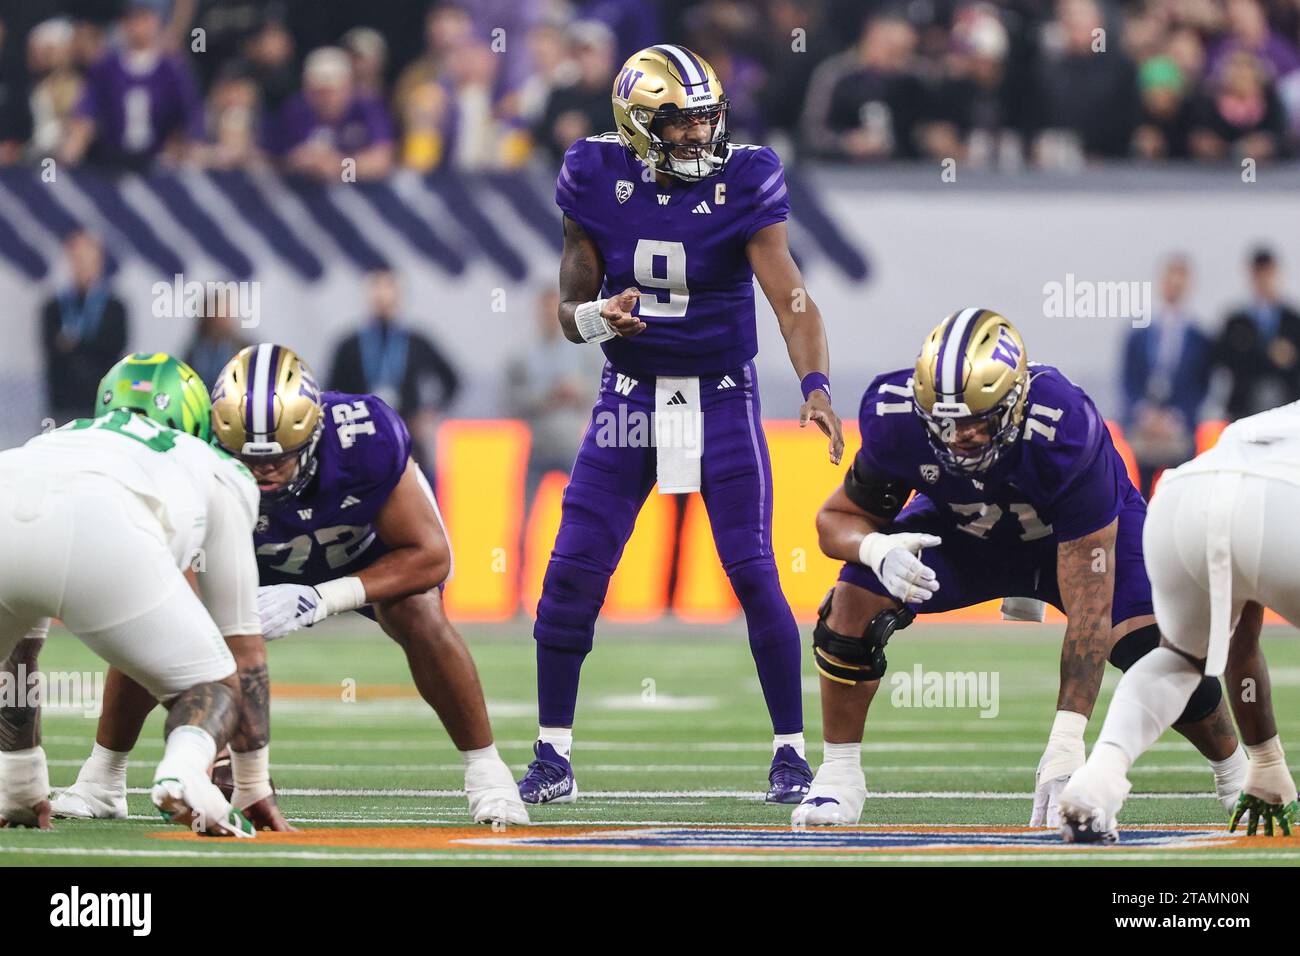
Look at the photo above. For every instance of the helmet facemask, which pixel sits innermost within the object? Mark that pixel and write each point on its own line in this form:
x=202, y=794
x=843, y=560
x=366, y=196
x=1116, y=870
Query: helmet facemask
x=704, y=158
x=302, y=476
x=1002, y=425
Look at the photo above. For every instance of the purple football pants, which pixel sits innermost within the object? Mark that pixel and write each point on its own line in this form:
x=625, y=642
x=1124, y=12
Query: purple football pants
x=613, y=474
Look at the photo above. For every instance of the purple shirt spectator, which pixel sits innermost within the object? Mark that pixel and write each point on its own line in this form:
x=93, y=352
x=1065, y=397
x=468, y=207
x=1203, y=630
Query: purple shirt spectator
x=1280, y=55
x=362, y=124
x=138, y=107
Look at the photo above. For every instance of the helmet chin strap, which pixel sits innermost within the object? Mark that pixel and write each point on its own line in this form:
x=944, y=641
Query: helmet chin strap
x=689, y=169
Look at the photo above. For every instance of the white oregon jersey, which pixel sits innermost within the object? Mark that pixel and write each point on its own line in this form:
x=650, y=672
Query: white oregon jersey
x=1267, y=445
x=174, y=473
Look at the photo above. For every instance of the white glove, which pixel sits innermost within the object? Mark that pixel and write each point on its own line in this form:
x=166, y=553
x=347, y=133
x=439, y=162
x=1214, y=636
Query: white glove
x=284, y=608
x=894, y=559
x=1064, y=755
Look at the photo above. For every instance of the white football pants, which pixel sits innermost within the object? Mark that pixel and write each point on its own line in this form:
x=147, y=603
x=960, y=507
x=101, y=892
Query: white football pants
x=86, y=550
x=1214, y=541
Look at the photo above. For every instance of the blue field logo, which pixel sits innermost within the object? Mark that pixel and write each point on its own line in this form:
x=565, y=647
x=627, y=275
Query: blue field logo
x=840, y=840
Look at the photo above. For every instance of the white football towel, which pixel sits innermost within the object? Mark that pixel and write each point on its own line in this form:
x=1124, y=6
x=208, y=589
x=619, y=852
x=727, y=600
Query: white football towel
x=1218, y=560
x=679, y=434
x=1023, y=609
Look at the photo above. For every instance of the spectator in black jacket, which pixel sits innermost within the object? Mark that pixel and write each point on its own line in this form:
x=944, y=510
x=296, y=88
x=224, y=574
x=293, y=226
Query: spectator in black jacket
x=1088, y=90
x=83, y=331
x=864, y=104
x=1260, y=346
x=401, y=366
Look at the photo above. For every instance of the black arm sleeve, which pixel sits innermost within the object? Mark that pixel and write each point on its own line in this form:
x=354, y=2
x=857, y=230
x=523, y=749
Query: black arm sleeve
x=882, y=497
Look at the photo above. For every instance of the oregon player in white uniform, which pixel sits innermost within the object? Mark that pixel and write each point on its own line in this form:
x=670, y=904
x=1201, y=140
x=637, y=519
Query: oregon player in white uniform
x=1222, y=542
x=97, y=520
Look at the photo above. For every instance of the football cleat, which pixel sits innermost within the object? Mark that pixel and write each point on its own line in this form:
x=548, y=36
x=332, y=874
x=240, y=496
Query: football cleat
x=197, y=803
x=789, y=778
x=90, y=800
x=835, y=797
x=549, y=778
x=1090, y=803
x=493, y=796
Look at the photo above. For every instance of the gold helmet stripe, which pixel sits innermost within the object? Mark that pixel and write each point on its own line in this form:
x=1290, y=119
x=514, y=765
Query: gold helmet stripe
x=953, y=352
x=261, y=397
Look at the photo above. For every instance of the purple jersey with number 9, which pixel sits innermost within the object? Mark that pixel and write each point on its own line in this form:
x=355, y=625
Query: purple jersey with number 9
x=328, y=531
x=684, y=247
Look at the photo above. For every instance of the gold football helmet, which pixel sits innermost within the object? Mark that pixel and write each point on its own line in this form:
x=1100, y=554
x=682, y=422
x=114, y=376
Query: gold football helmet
x=266, y=406
x=660, y=96
x=972, y=368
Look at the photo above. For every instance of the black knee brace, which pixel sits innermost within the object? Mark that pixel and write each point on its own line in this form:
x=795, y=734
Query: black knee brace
x=1134, y=645
x=860, y=658
x=1203, y=702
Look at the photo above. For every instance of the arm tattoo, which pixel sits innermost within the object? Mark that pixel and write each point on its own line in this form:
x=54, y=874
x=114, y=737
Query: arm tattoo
x=1085, y=571
x=581, y=272
x=254, y=731
x=211, y=706
x=20, y=727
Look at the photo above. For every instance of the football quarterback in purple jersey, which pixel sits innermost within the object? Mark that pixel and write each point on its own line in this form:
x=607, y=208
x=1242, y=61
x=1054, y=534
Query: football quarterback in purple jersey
x=1016, y=492
x=347, y=522
x=666, y=225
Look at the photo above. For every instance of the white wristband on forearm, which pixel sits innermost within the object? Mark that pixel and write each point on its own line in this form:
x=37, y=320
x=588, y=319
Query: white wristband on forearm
x=592, y=326
x=1068, y=726
x=342, y=594
x=873, y=548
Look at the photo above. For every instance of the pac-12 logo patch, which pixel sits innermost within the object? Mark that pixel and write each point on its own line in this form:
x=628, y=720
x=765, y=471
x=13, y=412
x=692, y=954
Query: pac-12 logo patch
x=623, y=190
x=930, y=473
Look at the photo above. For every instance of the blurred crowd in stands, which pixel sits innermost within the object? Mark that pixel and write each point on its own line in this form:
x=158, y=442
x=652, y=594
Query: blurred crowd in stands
x=324, y=89
x=486, y=84
x=1174, y=375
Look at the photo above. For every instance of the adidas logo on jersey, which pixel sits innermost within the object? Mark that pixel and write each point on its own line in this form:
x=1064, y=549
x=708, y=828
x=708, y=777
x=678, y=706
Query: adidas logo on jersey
x=677, y=399
x=727, y=382
x=702, y=207
x=349, y=501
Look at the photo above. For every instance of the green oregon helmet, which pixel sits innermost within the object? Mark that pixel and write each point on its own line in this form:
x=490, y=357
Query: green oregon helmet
x=159, y=387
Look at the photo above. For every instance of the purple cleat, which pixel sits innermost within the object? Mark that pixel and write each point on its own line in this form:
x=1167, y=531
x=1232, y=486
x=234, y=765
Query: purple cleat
x=789, y=778
x=549, y=778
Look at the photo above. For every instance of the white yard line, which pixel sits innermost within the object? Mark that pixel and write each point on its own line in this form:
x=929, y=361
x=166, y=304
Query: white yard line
x=596, y=795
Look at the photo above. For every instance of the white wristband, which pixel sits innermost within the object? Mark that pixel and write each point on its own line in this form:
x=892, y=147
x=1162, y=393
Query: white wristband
x=592, y=326
x=1068, y=725
x=342, y=594
x=873, y=549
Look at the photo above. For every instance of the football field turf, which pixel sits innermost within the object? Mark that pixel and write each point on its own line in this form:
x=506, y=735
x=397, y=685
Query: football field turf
x=671, y=752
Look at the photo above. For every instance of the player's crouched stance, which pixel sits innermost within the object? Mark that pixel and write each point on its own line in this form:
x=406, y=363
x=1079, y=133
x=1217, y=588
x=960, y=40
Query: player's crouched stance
x=348, y=522
x=1019, y=494
x=97, y=519
x=1222, y=542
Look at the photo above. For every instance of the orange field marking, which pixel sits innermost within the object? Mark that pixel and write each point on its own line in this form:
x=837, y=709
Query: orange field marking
x=417, y=838
x=336, y=691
